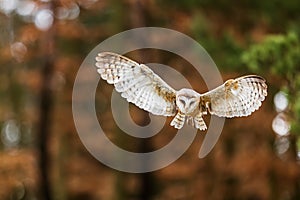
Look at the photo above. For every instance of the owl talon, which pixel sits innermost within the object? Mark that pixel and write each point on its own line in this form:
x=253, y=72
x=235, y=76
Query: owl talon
x=200, y=123
x=178, y=121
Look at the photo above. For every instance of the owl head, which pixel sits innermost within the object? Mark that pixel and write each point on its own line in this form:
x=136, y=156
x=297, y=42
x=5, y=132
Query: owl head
x=187, y=100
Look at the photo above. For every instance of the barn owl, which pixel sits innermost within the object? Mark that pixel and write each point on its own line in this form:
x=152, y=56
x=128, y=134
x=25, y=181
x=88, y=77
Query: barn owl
x=139, y=85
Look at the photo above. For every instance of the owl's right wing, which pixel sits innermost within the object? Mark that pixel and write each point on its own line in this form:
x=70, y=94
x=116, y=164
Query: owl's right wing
x=236, y=97
x=137, y=83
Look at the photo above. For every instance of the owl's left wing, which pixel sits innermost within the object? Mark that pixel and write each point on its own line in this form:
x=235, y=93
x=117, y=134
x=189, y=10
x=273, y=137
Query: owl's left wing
x=137, y=83
x=236, y=97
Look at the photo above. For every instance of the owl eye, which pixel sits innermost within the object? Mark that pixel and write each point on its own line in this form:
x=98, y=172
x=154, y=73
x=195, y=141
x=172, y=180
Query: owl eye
x=192, y=102
x=182, y=101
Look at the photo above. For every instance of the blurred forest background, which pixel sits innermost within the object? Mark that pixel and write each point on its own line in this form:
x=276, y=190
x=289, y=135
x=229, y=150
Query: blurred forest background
x=43, y=43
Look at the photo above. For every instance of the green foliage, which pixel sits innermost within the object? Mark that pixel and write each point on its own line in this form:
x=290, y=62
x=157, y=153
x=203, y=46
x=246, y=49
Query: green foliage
x=280, y=56
x=278, y=53
x=223, y=49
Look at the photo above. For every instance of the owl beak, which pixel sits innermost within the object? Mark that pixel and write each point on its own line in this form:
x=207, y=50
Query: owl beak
x=186, y=108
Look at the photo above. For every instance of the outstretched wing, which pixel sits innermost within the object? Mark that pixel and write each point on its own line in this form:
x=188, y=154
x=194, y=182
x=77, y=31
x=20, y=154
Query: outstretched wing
x=236, y=97
x=137, y=83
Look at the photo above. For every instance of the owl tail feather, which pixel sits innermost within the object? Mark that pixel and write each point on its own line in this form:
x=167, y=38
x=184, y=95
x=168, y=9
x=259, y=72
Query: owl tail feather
x=178, y=120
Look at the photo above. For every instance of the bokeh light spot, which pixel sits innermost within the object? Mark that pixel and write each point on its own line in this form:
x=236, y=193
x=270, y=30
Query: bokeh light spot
x=18, y=51
x=26, y=8
x=282, y=144
x=281, y=102
x=10, y=134
x=7, y=6
x=281, y=125
x=44, y=19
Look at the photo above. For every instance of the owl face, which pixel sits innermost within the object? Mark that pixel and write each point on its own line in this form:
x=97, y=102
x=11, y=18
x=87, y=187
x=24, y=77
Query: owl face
x=187, y=100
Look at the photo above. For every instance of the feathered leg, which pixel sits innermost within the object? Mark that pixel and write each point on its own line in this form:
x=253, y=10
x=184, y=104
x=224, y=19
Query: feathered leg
x=199, y=122
x=178, y=120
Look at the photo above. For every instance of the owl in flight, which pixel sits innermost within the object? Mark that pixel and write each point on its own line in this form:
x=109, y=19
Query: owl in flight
x=141, y=86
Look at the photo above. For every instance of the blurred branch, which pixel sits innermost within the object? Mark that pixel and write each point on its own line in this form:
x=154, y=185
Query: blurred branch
x=46, y=102
x=45, y=108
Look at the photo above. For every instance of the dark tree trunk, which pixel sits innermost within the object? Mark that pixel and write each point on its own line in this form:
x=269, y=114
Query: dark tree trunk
x=45, y=109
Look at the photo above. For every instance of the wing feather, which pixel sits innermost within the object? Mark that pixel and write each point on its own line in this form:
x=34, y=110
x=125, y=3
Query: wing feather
x=236, y=97
x=137, y=83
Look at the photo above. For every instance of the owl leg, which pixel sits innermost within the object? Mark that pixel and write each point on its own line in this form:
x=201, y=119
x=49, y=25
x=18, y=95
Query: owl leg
x=178, y=120
x=199, y=122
